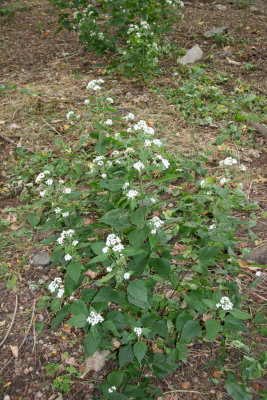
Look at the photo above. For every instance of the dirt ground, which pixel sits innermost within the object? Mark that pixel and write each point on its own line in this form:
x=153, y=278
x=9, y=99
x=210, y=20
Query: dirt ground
x=53, y=71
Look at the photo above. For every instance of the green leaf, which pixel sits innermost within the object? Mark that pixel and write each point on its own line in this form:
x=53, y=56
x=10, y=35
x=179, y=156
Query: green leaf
x=78, y=307
x=240, y=345
x=129, y=251
x=114, y=185
x=213, y=327
x=181, y=352
x=79, y=321
x=138, y=303
x=138, y=290
x=161, y=328
x=100, y=258
x=137, y=237
x=125, y=355
x=162, y=266
x=117, y=218
x=34, y=219
x=233, y=324
x=115, y=378
x=162, y=365
x=251, y=368
x=74, y=270
x=239, y=314
x=105, y=294
x=59, y=317
x=55, y=305
x=139, y=350
x=91, y=342
x=87, y=295
x=117, y=318
x=97, y=247
x=190, y=330
x=238, y=391
x=138, y=216
x=181, y=319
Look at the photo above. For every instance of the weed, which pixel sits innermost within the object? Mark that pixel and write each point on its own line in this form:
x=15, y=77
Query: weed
x=9, y=10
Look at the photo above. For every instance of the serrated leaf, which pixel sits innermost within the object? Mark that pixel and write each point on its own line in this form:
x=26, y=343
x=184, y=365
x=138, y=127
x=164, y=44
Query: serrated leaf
x=79, y=321
x=78, y=307
x=138, y=303
x=55, y=305
x=233, y=324
x=34, y=219
x=213, y=327
x=162, y=266
x=59, y=317
x=190, y=330
x=125, y=355
x=115, y=378
x=117, y=218
x=181, y=319
x=91, y=342
x=251, y=368
x=105, y=294
x=138, y=290
x=181, y=352
x=138, y=216
x=137, y=237
x=87, y=295
x=239, y=314
x=74, y=270
x=139, y=350
x=240, y=345
x=238, y=391
x=114, y=185
x=162, y=365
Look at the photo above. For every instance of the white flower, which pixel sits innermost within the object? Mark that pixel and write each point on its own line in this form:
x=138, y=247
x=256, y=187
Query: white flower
x=94, y=84
x=112, y=240
x=143, y=126
x=225, y=303
x=105, y=250
x=65, y=214
x=223, y=181
x=117, y=135
x=39, y=177
x=211, y=227
x=115, y=153
x=110, y=100
x=139, y=166
x=119, y=247
x=57, y=210
x=60, y=240
x=75, y=242
x=164, y=161
x=157, y=222
x=54, y=285
x=104, y=176
x=157, y=142
x=99, y=160
x=128, y=116
x=129, y=150
x=153, y=232
x=94, y=318
x=69, y=114
x=229, y=161
x=258, y=273
x=60, y=293
x=126, y=275
x=147, y=143
x=138, y=331
x=61, y=181
x=109, y=163
x=243, y=167
x=68, y=233
x=42, y=193
x=86, y=101
x=68, y=257
x=109, y=269
x=108, y=122
x=153, y=200
x=46, y=172
x=132, y=194
x=112, y=389
x=67, y=190
x=203, y=183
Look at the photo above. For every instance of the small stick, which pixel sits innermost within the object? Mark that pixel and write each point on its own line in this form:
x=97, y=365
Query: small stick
x=15, y=144
x=23, y=341
x=11, y=324
x=50, y=126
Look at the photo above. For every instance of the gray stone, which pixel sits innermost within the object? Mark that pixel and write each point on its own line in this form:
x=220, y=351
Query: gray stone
x=226, y=54
x=216, y=31
x=258, y=255
x=95, y=363
x=192, y=55
x=221, y=7
x=41, y=259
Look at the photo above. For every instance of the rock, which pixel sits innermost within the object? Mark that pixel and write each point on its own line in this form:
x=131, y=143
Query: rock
x=221, y=7
x=96, y=362
x=41, y=259
x=192, y=55
x=226, y=54
x=215, y=31
x=258, y=255
x=185, y=385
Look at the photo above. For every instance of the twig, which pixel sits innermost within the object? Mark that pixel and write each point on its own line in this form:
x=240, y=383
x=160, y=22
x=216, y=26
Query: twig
x=23, y=341
x=185, y=391
x=50, y=126
x=17, y=145
x=249, y=190
x=12, y=322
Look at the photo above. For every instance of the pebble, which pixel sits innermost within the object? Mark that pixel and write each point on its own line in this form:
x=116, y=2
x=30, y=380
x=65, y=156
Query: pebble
x=41, y=317
x=185, y=385
x=41, y=259
x=212, y=391
x=7, y=397
x=195, y=379
x=26, y=371
x=41, y=341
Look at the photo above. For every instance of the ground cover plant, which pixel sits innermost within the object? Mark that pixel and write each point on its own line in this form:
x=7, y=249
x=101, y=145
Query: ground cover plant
x=120, y=279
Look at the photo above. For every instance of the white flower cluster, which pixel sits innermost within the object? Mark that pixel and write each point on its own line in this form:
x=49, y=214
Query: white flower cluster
x=109, y=122
x=42, y=193
x=156, y=142
x=70, y=114
x=258, y=273
x=67, y=190
x=175, y=3
x=138, y=331
x=126, y=276
x=132, y=194
x=126, y=184
x=138, y=166
x=129, y=150
x=113, y=242
x=99, y=160
x=64, y=234
x=94, y=84
x=49, y=181
x=112, y=389
x=164, y=161
x=129, y=116
x=223, y=181
x=143, y=127
x=94, y=318
x=229, y=161
x=225, y=303
x=110, y=100
x=68, y=257
x=156, y=222
x=54, y=285
x=41, y=176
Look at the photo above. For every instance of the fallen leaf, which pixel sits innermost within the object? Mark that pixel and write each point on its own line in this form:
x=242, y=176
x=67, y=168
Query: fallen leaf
x=217, y=374
x=15, y=350
x=91, y=274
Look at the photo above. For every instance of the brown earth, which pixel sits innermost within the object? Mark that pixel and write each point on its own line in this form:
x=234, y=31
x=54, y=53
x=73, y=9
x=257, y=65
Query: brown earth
x=55, y=70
